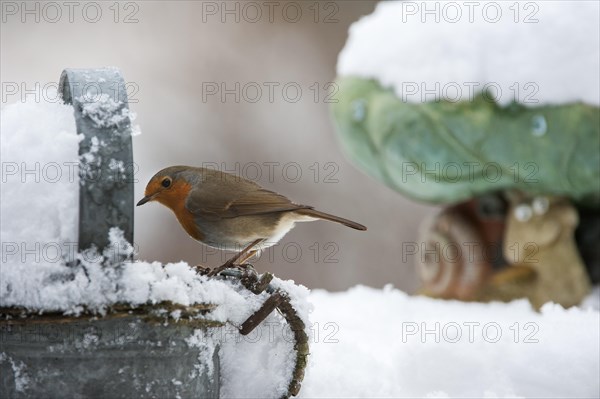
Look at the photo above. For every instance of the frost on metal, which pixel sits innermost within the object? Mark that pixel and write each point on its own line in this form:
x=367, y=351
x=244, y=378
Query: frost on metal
x=102, y=116
x=104, y=111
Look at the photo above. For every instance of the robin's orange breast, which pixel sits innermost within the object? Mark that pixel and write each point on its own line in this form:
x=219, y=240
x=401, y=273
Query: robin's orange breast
x=175, y=199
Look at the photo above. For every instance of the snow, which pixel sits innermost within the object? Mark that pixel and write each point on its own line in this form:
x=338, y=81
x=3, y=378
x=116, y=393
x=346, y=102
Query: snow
x=259, y=364
x=19, y=371
x=40, y=183
x=535, y=52
x=385, y=343
x=104, y=111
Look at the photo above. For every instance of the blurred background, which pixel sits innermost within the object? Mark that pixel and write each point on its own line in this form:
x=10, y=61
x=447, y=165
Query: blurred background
x=241, y=86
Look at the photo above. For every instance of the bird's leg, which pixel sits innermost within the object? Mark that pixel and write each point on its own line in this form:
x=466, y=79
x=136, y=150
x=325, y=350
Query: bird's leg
x=244, y=254
x=247, y=256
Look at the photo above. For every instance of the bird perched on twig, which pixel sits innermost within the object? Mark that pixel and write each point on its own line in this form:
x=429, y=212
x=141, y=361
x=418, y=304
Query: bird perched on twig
x=229, y=212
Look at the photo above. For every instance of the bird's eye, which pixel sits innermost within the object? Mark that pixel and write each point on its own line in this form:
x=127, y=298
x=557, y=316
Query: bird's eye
x=166, y=183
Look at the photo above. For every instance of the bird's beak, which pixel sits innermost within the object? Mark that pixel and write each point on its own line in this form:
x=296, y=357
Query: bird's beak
x=145, y=199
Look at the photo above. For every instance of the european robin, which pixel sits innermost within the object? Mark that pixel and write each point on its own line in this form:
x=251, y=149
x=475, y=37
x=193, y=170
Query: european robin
x=229, y=212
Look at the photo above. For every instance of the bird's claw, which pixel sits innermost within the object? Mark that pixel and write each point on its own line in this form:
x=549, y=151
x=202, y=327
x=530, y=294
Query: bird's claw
x=227, y=265
x=202, y=270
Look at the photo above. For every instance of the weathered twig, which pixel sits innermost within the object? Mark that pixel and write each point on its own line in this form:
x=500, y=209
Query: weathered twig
x=279, y=300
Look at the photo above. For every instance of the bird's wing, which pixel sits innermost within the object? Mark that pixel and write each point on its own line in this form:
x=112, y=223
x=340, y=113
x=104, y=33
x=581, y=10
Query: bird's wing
x=259, y=202
x=222, y=197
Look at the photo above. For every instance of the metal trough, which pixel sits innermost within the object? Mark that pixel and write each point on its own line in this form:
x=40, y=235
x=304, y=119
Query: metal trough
x=130, y=352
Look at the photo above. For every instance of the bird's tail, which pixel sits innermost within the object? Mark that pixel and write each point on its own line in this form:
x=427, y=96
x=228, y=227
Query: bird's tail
x=326, y=216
